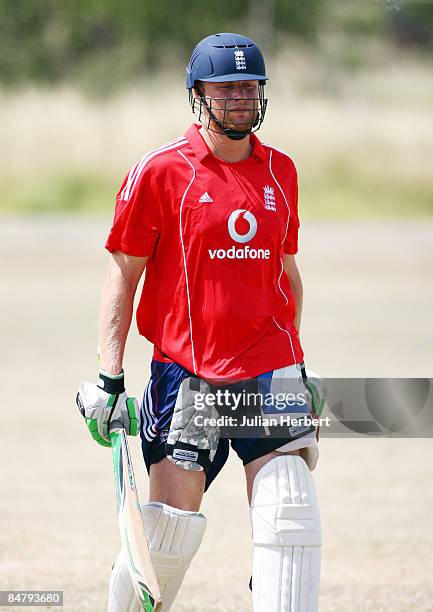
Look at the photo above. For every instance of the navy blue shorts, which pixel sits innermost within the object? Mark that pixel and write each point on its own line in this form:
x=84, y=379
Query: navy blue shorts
x=157, y=410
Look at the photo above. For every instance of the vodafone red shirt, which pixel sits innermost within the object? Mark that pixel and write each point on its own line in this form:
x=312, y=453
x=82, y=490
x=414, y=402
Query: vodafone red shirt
x=215, y=297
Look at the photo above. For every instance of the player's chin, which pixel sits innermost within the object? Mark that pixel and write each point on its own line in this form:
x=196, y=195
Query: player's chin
x=239, y=120
x=239, y=127
x=239, y=115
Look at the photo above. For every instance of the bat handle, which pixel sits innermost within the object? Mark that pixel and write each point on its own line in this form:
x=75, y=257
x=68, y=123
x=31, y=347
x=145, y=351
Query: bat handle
x=115, y=427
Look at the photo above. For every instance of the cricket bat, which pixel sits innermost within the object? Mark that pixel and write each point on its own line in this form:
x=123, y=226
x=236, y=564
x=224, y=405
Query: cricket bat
x=132, y=534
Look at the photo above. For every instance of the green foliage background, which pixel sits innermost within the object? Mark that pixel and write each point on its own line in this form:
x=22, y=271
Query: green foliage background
x=346, y=61
x=51, y=40
x=56, y=40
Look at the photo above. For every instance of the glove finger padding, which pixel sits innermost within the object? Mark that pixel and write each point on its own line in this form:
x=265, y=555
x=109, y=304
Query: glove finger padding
x=100, y=409
x=193, y=437
x=133, y=415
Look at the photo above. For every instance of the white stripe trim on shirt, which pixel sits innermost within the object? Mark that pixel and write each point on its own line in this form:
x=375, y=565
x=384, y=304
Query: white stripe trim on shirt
x=281, y=259
x=137, y=170
x=184, y=258
x=147, y=158
x=133, y=173
x=288, y=333
x=287, y=225
x=160, y=148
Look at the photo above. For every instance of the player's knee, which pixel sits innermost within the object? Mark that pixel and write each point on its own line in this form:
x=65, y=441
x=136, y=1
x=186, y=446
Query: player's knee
x=284, y=508
x=175, y=487
x=174, y=535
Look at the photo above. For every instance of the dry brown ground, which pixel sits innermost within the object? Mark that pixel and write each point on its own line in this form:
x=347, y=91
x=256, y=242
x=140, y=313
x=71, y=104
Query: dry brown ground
x=369, y=299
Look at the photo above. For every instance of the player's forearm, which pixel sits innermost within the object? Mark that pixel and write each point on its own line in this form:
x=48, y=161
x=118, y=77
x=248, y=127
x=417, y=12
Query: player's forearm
x=114, y=322
x=298, y=295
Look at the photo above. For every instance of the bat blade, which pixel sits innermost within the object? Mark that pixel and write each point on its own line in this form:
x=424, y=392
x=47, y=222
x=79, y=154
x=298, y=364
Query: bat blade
x=132, y=533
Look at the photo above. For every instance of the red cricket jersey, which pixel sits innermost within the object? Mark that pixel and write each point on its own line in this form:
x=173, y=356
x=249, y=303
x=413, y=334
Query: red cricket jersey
x=215, y=298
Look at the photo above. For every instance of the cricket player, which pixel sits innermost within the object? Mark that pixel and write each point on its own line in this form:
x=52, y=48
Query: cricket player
x=211, y=219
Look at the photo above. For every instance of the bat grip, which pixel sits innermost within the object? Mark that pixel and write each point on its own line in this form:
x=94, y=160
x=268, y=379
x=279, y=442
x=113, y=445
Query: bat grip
x=115, y=427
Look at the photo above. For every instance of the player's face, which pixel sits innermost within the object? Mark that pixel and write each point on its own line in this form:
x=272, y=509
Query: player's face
x=234, y=103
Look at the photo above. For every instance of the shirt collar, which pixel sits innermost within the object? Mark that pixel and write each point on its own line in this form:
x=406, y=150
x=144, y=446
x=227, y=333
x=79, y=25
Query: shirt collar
x=201, y=150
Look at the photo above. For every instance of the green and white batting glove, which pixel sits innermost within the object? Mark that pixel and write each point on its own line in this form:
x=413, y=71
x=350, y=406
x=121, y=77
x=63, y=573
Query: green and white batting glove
x=106, y=405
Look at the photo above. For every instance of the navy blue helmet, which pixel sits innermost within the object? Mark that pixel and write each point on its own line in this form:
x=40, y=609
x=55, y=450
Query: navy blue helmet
x=226, y=57
x=223, y=58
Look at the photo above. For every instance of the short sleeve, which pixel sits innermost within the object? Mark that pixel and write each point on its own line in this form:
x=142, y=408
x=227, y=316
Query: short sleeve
x=290, y=245
x=137, y=218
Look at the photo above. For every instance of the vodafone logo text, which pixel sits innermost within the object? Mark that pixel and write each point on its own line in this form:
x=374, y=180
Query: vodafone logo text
x=242, y=227
x=234, y=253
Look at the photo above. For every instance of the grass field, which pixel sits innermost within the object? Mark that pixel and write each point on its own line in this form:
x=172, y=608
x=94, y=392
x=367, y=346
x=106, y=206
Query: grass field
x=363, y=141
x=368, y=304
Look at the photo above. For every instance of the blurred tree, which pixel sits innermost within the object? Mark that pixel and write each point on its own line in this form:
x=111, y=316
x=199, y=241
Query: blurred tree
x=412, y=23
x=49, y=40
x=109, y=42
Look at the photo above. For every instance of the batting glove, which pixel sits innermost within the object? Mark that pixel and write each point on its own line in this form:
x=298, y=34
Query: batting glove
x=106, y=405
x=317, y=392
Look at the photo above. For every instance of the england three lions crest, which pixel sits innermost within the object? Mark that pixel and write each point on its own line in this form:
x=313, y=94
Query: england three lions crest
x=269, y=198
x=240, y=61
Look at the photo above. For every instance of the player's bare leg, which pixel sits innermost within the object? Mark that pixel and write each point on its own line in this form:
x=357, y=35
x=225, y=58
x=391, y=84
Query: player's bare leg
x=174, y=529
x=286, y=534
x=176, y=487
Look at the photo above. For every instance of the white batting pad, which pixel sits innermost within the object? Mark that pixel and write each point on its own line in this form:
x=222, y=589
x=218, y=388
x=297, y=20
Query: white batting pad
x=121, y=594
x=174, y=537
x=287, y=537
